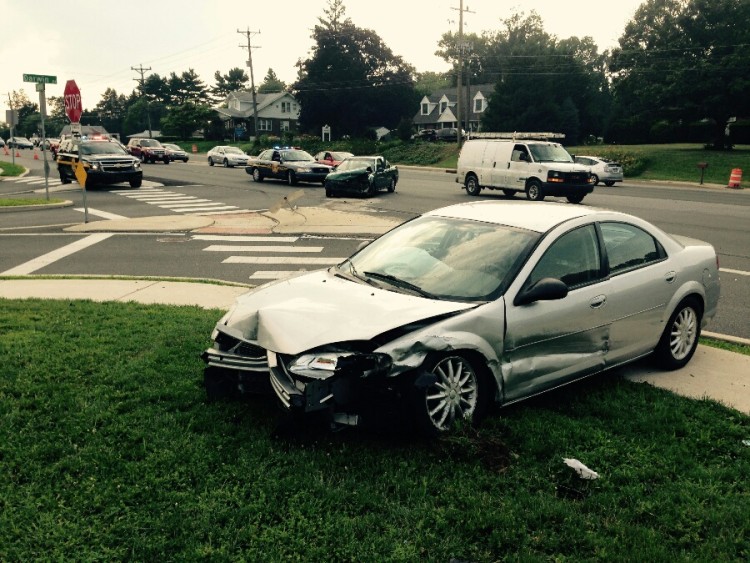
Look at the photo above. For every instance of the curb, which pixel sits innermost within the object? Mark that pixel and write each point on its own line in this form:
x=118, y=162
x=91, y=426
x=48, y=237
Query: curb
x=13, y=208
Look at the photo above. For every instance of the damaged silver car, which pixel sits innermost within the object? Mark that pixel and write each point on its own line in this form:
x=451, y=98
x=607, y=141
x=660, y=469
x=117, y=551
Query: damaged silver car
x=466, y=306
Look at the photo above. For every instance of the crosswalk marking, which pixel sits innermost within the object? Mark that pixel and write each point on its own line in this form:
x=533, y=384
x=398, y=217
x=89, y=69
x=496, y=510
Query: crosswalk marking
x=243, y=238
x=330, y=261
x=263, y=248
x=178, y=202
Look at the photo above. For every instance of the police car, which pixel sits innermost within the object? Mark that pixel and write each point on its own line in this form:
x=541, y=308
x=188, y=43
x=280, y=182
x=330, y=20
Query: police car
x=105, y=162
x=289, y=164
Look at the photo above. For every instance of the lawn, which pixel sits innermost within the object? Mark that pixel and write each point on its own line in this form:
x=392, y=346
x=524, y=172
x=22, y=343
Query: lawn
x=8, y=202
x=9, y=169
x=108, y=451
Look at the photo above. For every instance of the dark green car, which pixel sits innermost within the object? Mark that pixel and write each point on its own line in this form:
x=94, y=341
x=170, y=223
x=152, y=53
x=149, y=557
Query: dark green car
x=362, y=175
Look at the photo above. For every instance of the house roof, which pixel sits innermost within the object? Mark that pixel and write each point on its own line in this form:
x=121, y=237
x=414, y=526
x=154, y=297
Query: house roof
x=450, y=94
x=262, y=101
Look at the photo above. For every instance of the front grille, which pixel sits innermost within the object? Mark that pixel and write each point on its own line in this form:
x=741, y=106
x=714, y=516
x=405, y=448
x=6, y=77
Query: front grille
x=576, y=178
x=228, y=343
x=321, y=170
x=119, y=165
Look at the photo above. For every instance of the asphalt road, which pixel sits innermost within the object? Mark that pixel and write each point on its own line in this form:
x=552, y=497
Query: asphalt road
x=718, y=215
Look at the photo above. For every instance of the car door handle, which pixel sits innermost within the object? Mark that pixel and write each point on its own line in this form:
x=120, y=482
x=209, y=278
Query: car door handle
x=598, y=301
x=670, y=277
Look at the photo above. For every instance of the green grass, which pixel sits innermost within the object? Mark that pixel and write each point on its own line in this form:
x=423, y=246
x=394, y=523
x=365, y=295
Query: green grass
x=108, y=451
x=8, y=202
x=11, y=169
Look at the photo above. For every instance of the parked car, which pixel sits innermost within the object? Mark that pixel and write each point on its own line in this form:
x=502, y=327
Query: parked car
x=228, y=157
x=601, y=169
x=174, y=152
x=425, y=135
x=362, y=175
x=482, y=302
x=148, y=150
x=449, y=134
x=20, y=143
x=105, y=162
x=332, y=158
x=289, y=164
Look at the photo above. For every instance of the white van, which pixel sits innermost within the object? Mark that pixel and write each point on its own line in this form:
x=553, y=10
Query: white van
x=538, y=168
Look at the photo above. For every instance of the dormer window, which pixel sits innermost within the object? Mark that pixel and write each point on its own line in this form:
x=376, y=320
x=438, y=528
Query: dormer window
x=478, y=105
x=443, y=106
x=425, y=108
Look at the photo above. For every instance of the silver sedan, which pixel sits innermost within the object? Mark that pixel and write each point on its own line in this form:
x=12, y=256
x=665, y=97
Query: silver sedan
x=228, y=157
x=468, y=305
x=601, y=169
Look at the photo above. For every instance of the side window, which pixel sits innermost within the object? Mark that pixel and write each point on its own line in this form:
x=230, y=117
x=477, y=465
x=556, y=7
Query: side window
x=573, y=258
x=519, y=150
x=629, y=247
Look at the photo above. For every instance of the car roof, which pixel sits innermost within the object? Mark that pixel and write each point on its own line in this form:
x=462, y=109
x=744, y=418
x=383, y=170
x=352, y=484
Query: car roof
x=534, y=216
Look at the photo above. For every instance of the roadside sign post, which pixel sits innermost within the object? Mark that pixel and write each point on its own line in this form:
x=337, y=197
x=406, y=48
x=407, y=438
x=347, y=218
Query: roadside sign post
x=74, y=109
x=41, y=80
x=11, y=116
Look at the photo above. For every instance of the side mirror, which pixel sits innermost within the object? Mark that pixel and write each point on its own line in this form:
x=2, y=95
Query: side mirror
x=546, y=289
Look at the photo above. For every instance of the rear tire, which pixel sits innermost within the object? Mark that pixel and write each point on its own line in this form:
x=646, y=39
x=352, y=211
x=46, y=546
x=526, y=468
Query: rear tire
x=392, y=186
x=472, y=185
x=291, y=179
x=226, y=163
x=609, y=183
x=595, y=178
x=257, y=176
x=575, y=198
x=680, y=338
x=210, y=161
x=534, y=191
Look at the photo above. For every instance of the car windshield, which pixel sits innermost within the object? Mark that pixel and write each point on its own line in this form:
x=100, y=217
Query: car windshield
x=297, y=155
x=550, y=153
x=356, y=164
x=172, y=147
x=341, y=155
x=150, y=143
x=445, y=258
x=101, y=147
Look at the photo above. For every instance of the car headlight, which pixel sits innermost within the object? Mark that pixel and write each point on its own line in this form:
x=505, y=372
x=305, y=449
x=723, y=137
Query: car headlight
x=137, y=164
x=93, y=165
x=326, y=364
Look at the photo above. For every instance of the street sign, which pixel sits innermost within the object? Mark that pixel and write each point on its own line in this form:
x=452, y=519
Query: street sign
x=72, y=99
x=40, y=78
x=81, y=174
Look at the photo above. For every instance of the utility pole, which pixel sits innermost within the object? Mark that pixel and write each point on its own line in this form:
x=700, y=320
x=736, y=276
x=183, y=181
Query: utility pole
x=141, y=81
x=12, y=124
x=250, y=48
x=459, y=78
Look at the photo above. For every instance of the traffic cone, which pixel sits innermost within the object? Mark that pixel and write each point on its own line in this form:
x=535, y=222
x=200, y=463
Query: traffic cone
x=36, y=155
x=735, y=178
x=5, y=150
x=18, y=154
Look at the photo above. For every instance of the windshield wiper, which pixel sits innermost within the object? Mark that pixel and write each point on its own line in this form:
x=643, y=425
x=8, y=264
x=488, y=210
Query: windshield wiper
x=393, y=280
x=352, y=274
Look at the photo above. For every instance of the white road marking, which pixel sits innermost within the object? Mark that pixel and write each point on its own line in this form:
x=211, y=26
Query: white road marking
x=102, y=214
x=159, y=197
x=205, y=208
x=185, y=203
x=260, y=248
x=738, y=272
x=230, y=212
x=243, y=238
x=280, y=260
x=46, y=259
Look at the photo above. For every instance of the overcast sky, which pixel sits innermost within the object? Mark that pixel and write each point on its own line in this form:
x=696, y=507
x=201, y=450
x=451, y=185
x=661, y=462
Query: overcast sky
x=97, y=42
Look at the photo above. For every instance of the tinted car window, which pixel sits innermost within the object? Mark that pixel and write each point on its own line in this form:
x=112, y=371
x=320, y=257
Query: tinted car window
x=355, y=163
x=629, y=247
x=574, y=258
x=102, y=147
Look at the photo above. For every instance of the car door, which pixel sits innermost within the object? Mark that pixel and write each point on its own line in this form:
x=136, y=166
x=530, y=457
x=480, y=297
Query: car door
x=548, y=343
x=380, y=179
x=517, y=169
x=640, y=286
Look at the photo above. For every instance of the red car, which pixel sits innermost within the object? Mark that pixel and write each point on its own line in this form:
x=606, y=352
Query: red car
x=332, y=158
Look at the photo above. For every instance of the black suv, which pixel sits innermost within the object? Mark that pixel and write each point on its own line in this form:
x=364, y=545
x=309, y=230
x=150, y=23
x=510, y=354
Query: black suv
x=105, y=162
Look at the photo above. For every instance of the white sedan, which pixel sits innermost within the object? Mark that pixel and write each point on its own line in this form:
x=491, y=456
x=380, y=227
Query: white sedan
x=226, y=156
x=601, y=169
x=468, y=305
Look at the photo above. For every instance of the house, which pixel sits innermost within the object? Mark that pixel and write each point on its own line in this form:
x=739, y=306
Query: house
x=438, y=110
x=278, y=112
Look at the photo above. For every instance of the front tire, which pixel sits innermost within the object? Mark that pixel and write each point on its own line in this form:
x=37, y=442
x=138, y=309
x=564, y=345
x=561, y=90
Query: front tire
x=472, y=185
x=210, y=161
x=609, y=183
x=534, y=191
x=452, y=389
x=595, y=178
x=226, y=163
x=257, y=176
x=136, y=183
x=680, y=338
x=291, y=179
x=392, y=186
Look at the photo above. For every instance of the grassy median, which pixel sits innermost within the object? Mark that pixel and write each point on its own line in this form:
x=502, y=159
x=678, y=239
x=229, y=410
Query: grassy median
x=108, y=451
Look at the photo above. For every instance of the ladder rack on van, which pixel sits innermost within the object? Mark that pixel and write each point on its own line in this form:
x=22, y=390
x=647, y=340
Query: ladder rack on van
x=517, y=136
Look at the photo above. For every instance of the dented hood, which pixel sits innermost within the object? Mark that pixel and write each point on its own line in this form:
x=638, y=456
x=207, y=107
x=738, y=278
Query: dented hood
x=296, y=315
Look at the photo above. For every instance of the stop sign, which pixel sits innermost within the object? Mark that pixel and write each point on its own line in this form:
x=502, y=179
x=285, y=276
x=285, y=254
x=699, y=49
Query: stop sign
x=72, y=97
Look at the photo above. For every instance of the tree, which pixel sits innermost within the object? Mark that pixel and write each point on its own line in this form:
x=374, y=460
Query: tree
x=187, y=87
x=352, y=80
x=236, y=79
x=683, y=61
x=271, y=83
x=183, y=119
x=428, y=82
x=111, y=110
x=544, y=84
